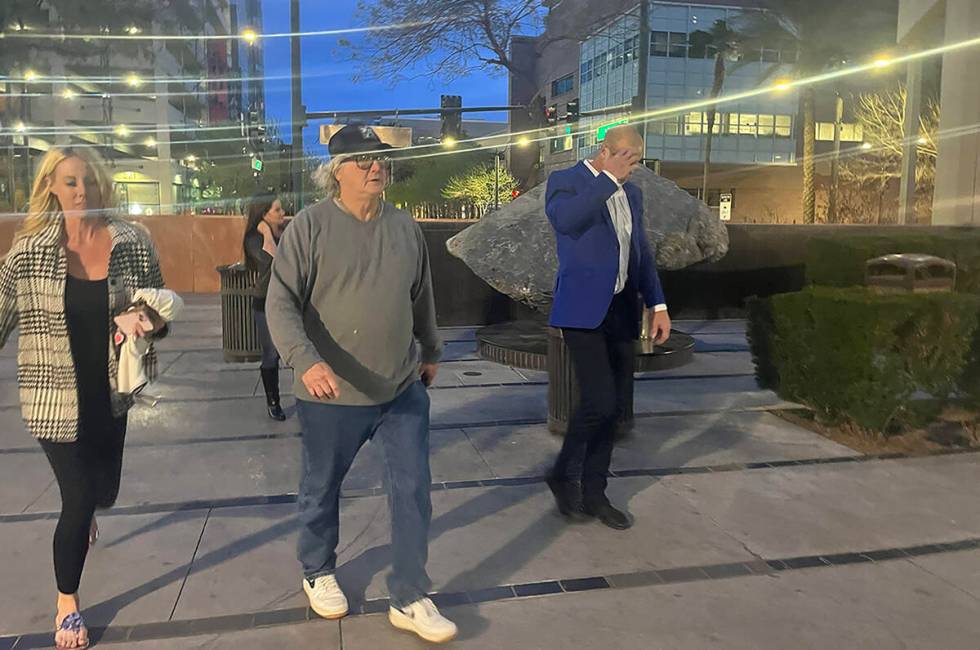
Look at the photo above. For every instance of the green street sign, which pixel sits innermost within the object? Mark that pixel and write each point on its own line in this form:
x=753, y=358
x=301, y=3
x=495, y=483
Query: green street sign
x=600, y=134
x=256, y=164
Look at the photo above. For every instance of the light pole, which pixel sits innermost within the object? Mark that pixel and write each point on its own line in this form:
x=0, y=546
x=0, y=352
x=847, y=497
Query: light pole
x=299, y=111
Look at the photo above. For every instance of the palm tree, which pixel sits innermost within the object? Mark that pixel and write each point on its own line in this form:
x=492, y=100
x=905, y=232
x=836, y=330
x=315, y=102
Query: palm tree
x=722, y=42
x=822, y=38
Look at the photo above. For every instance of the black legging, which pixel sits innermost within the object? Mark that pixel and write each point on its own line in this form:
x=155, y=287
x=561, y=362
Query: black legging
x=88, y=473
x=270, y=356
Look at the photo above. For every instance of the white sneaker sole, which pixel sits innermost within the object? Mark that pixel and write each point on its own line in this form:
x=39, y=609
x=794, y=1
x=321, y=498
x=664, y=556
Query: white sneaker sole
x=329, y=614
x=403, y=622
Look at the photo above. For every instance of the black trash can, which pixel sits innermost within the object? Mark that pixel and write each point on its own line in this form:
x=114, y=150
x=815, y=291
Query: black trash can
x=563, y=394
x=239, y=340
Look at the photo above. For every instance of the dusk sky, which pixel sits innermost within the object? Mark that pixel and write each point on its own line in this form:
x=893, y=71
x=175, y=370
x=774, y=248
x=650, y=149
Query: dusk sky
x=327, y=83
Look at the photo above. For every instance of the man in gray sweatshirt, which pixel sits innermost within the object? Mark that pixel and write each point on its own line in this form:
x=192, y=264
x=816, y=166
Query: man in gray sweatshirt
x=350, y=308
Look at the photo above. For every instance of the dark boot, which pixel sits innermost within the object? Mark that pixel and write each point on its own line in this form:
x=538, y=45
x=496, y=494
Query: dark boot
x=599, y=507
x=270, y=381
x=568, y=498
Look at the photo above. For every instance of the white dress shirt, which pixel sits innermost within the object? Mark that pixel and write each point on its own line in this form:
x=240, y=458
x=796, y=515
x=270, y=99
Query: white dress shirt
x=622, y=218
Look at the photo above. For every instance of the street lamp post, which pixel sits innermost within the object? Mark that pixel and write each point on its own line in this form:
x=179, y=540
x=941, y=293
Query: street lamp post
x=299, y=111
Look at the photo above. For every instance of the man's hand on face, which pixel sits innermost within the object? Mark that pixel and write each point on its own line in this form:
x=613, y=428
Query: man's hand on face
x=621, y=163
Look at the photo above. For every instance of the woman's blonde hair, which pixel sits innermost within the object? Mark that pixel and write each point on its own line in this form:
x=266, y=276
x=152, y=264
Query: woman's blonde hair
x=44, y=208
x=325, y=176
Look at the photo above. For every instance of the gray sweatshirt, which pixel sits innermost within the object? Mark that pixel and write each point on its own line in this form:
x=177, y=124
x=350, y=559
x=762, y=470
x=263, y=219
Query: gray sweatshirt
x=356, y=295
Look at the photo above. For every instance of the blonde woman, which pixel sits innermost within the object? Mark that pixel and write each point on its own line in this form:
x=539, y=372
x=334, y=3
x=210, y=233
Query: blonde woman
x=73, y=267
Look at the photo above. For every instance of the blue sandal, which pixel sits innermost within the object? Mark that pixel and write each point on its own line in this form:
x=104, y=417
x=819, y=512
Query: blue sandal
x=72, y=623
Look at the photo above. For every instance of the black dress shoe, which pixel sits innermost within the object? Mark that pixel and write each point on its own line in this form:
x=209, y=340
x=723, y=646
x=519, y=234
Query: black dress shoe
x=610, y=516
x=568, y=498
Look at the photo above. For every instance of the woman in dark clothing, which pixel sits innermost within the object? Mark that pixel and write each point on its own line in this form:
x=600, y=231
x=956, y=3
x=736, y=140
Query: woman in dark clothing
x=266, y=220
x=72, y=267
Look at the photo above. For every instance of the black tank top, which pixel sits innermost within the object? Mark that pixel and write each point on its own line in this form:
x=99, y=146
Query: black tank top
x=87, y=314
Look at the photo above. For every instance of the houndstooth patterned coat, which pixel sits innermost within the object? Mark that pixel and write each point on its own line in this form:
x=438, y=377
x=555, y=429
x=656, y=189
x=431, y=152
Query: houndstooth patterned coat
x=32, y=298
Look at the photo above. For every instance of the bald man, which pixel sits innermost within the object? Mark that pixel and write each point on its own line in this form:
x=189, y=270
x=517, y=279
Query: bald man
x=605, y=264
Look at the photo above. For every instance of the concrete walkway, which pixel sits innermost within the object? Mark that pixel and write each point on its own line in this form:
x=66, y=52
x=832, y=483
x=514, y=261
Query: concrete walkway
x=750, y=532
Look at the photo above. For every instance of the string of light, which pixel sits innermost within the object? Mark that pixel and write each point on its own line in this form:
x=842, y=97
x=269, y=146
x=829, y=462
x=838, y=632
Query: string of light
x=537, y=135
x=134, y=33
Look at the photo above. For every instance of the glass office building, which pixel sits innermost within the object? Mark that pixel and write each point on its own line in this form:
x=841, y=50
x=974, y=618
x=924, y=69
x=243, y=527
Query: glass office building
x=756, y=130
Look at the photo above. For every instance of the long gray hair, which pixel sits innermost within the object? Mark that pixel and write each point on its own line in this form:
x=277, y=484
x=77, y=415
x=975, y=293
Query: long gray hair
x=325, y=176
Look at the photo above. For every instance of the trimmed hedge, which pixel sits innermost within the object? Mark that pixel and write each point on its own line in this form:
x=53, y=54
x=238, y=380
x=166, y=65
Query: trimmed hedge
x=858, y=357
x=838, y=260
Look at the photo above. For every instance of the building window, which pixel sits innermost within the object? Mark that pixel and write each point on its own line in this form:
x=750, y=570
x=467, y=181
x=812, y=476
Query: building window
x=784, y=126
x=631, y=49
x=559, y=145
x=766, y=125
x=599, y=65
x=586, y=72
x=677, y=46
x=673, y=44
x=748, y=123
x=696, y=123
x=564, y=85
x=763, y=126
x=616, y=56
x=669, y=126
x=770, y=56
x=848, y=132
x=658, y=43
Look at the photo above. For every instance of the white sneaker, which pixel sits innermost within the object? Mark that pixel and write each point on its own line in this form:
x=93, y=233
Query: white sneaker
x=326, y=598
x=424, y=619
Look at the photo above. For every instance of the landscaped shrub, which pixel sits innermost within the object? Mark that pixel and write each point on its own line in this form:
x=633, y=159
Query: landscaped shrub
x=857, y=357
x=838, y=259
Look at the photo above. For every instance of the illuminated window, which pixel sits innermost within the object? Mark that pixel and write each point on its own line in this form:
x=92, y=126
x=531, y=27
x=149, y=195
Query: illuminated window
x=849, y=132
x=784, y=126
x=696, y=123
x=766, y=125
x=559, y=145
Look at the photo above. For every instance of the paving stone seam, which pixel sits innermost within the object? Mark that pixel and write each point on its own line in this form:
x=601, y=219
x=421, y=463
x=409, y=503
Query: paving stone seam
x=642, y=378
x=646, y=578
x=190, y=564
x=448, y=426
x=515, y=481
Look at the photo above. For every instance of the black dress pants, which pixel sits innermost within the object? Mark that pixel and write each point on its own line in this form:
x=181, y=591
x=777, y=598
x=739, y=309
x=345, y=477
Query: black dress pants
x=603, y=360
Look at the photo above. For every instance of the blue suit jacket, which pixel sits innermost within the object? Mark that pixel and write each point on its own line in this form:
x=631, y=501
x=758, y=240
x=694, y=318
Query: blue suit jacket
x=588, y=249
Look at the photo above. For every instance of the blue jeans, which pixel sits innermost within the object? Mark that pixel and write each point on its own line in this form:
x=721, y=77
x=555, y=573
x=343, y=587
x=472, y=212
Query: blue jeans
x=332, y=436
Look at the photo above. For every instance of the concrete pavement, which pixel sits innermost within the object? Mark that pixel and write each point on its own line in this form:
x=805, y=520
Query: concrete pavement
x=750, y=532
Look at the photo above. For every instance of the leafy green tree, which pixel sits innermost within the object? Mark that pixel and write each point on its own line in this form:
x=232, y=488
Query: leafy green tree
x=479, y=184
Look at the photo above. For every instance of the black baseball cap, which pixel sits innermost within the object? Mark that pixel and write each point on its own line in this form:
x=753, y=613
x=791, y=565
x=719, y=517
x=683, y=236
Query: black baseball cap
x=354, y=139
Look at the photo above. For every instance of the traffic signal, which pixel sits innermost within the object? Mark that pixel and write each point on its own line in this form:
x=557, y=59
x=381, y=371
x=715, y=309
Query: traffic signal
x=452, y=121
x=551, y=115
x=572, y=111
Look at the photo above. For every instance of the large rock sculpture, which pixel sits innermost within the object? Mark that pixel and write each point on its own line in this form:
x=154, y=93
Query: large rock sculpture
x=513, y=248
